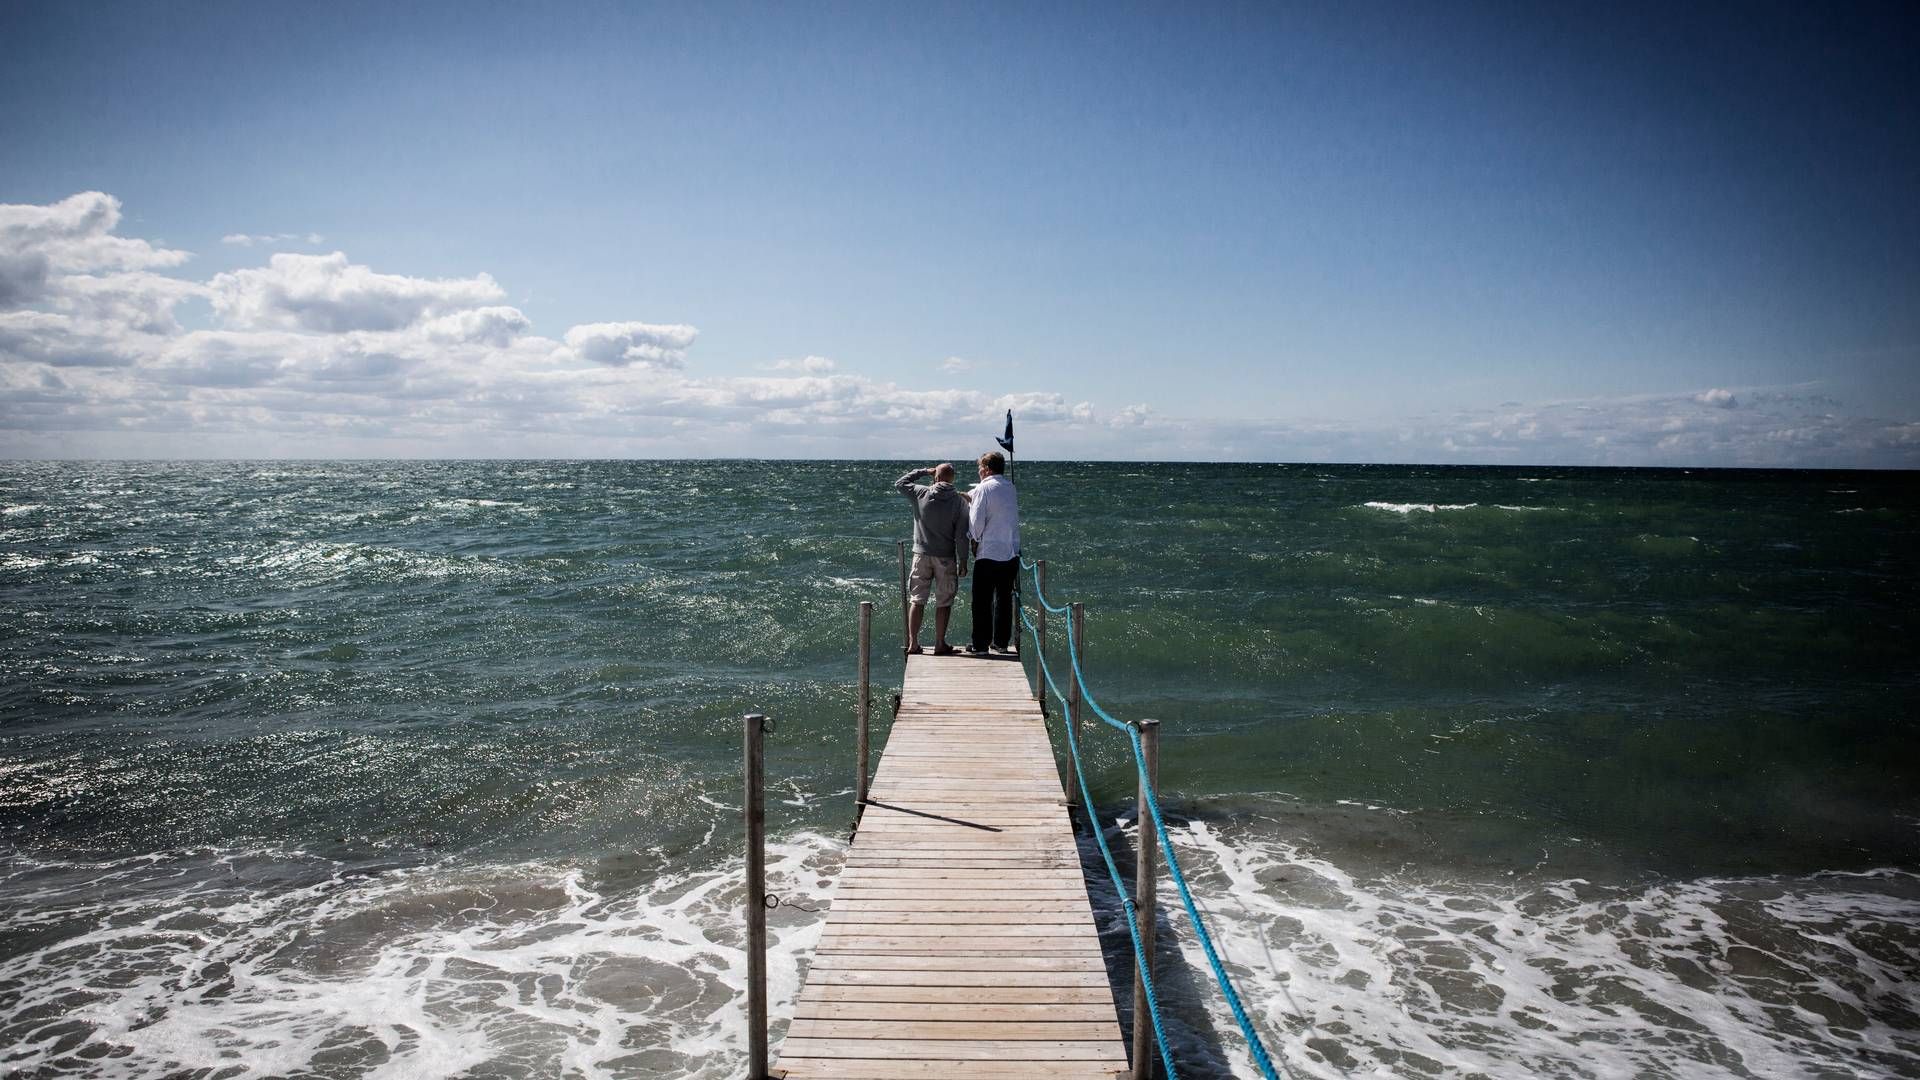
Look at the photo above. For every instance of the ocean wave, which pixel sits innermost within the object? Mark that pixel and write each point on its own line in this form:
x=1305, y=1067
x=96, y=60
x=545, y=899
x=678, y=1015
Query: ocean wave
x=1434, y=508
x=167, y=965
x=1409, y=508
x=1714, y=977
x=315, y=559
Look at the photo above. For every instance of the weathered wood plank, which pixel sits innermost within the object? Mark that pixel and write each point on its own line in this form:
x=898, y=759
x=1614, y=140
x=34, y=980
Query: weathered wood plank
x=903, y=961
x=948, y=978
x=825, y=994
x=960, y=941
x=953, y=1011
x=915, y=1049
x=1056, y=1031
x=858, y=1069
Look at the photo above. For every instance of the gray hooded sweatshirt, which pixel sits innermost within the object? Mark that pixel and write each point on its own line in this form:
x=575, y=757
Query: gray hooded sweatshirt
x=939, y=516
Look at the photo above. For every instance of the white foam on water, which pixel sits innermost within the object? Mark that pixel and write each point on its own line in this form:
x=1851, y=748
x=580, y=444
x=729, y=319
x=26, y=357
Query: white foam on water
x=1409, y=508
x=22, y=508
x=1764, y=977
x=434, y=972
x=481, y=504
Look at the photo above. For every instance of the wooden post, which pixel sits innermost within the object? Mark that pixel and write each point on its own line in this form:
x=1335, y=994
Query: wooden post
x=1079, y=639
x=906, y=619
x=1143, y=890
x=864, y=712
x=756, y=815
x=1073, y=717
x=1040, y=630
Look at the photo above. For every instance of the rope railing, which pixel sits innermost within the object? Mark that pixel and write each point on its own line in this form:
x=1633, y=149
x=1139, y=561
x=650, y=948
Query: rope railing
x=1113, y=871
x=1150, y=812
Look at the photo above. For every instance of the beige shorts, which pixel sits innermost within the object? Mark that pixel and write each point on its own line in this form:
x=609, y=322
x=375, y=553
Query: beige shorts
x=941, y=574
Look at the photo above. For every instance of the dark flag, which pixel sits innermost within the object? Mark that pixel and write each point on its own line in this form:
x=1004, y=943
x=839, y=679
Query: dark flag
x=1006, y=441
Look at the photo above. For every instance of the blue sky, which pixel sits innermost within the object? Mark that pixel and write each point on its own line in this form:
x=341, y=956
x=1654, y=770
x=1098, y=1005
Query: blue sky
x=1475, y=233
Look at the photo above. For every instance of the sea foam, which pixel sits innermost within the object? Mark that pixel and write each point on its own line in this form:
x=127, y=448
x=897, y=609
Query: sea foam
x=1712, y=977
x=177, y=963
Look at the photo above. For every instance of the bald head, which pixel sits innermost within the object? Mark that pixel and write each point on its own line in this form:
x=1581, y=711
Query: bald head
x=943, y=472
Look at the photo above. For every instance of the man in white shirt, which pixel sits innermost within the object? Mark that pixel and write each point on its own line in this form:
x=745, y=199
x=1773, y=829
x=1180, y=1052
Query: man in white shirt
x=995, y=532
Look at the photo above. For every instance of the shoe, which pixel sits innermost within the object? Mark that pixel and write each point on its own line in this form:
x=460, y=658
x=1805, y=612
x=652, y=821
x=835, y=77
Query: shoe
x=945, y=650
x=975, y=650
x=1002, y=650
x=915, y=651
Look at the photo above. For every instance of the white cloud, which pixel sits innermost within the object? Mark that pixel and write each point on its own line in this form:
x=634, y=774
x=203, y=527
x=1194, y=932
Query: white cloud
x=618, y=344
x=321, y=351
x=812, y=365
x=75, y=235
x=313, y=354
x=269, y=239
x=42, y=248
x=495, y=326
x=326, y=293
x=956, y=365
x=1043, y=407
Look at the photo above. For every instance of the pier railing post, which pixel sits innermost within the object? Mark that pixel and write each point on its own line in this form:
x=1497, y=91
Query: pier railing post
x=1079, y=646
x=906, y=617
x=756, y=817
x=1073, y=700
x=1143, y=894
x=1040, y=630
x=864, y=712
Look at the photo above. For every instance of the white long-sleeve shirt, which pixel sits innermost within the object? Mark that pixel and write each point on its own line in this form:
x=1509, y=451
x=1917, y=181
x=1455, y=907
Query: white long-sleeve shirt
x=995, y=519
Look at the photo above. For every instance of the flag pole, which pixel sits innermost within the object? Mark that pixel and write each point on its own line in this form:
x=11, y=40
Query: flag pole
x=1006, y=443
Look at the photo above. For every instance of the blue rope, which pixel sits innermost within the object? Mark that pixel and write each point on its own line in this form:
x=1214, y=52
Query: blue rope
x=1113, y=872
x=1254, y=1044
x=1037, y=594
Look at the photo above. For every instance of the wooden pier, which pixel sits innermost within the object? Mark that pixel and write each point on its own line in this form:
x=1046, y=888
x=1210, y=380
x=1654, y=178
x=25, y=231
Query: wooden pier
x=960, y=942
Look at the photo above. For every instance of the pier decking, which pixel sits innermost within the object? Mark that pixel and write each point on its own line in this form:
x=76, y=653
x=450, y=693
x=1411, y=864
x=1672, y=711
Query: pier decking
x=960, y=942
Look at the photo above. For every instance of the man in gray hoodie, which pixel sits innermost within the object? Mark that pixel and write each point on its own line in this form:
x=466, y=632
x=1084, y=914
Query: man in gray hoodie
x=940, y=551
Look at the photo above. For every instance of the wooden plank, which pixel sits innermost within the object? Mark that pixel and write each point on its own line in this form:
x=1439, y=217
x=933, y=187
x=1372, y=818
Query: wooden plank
x=970, y=946
x=856, y=1069
x=902, y=961
x=869, y=888
x=1009, y=916
x=957, y=904
x=1050, y=933
x=824, y=994
x=960, y=941
x=915, y=1049
x=952, y=1011
x=944, y=1030
x=949, y=978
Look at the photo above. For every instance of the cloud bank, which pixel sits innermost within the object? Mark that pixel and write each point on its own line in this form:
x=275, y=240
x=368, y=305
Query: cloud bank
x=316, y=355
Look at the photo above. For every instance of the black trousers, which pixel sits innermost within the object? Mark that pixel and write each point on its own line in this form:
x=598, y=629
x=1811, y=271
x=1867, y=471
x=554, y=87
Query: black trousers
x=993, y=601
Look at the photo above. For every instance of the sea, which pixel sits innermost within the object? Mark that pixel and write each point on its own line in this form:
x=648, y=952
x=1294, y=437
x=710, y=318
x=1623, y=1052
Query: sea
x=433, y=769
